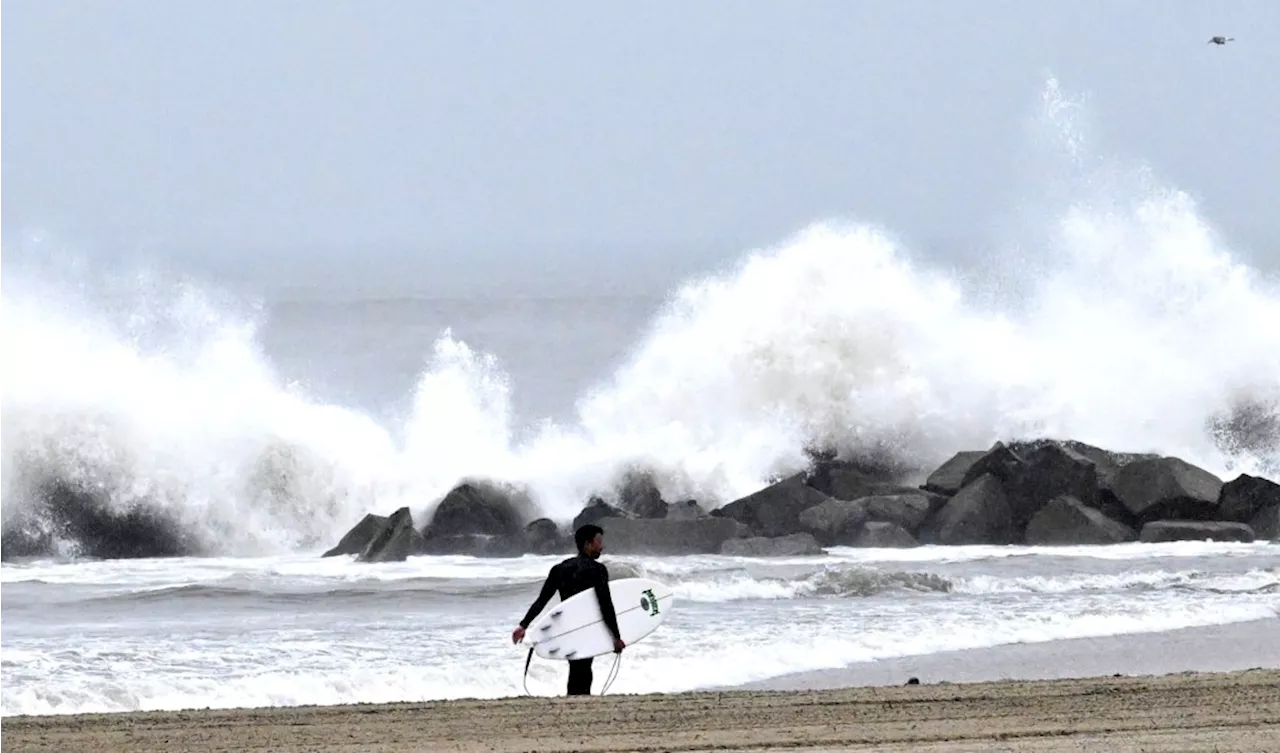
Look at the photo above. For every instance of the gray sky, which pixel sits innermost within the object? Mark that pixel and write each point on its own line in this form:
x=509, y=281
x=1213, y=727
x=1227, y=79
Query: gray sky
x=293, y=130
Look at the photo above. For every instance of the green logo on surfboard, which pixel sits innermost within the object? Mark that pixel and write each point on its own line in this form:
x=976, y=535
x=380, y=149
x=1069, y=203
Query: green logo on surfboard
x=649, y=602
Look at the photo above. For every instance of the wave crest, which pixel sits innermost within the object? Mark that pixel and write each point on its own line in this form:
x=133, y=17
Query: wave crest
x=1125, y=323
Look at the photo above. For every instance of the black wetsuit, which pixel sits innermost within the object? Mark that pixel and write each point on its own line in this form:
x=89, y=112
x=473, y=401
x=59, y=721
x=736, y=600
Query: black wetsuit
x=570, y=577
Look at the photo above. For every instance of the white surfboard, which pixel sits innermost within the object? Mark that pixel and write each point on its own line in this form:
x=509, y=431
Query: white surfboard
x=574, y=629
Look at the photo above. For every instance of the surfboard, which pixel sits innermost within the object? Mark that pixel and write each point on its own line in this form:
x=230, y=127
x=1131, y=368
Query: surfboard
x=574, y=629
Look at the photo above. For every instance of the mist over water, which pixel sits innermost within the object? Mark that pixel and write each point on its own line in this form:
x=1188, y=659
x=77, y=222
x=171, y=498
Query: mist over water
x=1121, y=319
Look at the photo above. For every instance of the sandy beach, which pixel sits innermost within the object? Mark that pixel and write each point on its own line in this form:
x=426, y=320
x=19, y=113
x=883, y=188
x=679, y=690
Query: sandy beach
x=1230, y=711
x=1213, y=648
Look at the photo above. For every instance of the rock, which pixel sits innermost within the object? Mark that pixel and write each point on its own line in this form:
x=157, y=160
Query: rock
x=87, y=520
x=689, y=509
x=660, y=536
x=1051, y=470
x=1167, y=489
x=383, y=539
x=1266, y=524
x=1106, y=462
x=884, y=535
x=827, y=474
x=834, y=522
x=792, y=545
x=978, y=514
x=359, y=536
x=774, y=510
x=1195, y=530
x=1106, y=465
x=1066, y=520
x=1111, y=506
x=1245, y=496
x=907, y=511
x=543, y=536
x=595, y=511
x=481, y=520
x=1000, y=461
x=394, y=540
x=1110, y=463
x=949, y=476
x=847, y=480
x=477, y=508
x=638, y=495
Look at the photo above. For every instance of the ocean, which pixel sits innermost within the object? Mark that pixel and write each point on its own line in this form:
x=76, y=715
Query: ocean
x=293, y=629
x=267, y=426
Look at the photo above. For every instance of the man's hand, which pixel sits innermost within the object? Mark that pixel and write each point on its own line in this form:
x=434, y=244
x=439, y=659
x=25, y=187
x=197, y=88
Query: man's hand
x=618, y=645
x=517, y=635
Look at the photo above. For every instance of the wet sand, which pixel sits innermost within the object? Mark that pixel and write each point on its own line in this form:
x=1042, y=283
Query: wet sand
x=1215, y=648
x=1229, y=711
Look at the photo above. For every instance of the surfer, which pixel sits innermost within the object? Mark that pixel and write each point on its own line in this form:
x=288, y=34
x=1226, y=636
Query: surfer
x=570, y=577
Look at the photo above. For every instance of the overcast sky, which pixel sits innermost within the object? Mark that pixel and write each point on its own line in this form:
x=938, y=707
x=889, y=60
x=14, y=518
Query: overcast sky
x=290, y=128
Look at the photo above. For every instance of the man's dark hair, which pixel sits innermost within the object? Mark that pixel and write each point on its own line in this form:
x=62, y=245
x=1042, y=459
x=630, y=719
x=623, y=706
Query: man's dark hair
x=585, y=534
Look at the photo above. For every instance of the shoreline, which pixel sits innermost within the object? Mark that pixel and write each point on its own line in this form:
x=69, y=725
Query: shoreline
x=1228, y=647
x=1234, y=646
x=1224, y=711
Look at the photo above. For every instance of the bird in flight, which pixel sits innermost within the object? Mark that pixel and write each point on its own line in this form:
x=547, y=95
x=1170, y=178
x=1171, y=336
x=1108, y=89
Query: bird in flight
x=1220, y=40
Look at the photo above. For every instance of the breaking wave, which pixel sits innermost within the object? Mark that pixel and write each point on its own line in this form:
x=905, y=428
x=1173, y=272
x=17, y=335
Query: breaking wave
x=710, y=582
x=146, y=416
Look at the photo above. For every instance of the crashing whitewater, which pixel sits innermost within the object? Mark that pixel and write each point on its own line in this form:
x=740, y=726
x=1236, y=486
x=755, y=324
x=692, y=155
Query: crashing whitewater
x=1130, y=325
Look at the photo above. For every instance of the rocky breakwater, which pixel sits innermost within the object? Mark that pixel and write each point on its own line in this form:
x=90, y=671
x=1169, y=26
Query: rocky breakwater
x=73, y=518
x=490, y=520
x=1043, y=492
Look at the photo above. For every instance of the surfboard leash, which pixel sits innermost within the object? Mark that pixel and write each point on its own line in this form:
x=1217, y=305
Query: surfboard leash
x=608, y=680
x=613, y=674
x=525, y=680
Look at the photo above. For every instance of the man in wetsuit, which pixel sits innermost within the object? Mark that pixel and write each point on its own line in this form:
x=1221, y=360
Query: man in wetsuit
x=572, y=576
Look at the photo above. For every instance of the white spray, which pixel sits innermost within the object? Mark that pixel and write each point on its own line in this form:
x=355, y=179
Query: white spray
x=1131, y=328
